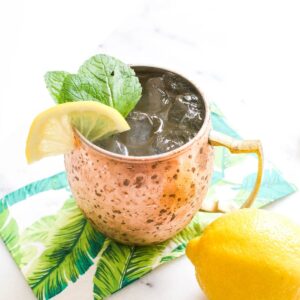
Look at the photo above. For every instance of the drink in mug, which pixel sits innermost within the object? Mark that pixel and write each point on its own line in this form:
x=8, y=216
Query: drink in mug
x=169, y=114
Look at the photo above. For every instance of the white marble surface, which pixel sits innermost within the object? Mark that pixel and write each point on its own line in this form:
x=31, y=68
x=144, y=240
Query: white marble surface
x=244, y=55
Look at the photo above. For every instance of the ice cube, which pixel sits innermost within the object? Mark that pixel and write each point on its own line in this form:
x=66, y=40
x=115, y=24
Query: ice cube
x=176, y=84
x=169, y=140
x=112, y=144
x=141, y=129
x=190, y=99
x=155, y=98
x=186, y=112
x=192, y=121
x=178, y=110
x=158, y=124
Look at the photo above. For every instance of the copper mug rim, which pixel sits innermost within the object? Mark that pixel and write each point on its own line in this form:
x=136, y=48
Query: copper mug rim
x=161, y=156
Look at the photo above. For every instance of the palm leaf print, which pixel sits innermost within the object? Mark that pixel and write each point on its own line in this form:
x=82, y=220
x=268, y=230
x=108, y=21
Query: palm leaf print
x=10, y=234
x=68, y=253
x=32, y=238
x=39, y=231
x=120, y=265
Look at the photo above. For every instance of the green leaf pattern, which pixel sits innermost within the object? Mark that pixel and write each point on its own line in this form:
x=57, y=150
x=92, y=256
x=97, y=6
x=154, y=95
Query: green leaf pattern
x=9, y=232
x=39, y=231
x=69, y=252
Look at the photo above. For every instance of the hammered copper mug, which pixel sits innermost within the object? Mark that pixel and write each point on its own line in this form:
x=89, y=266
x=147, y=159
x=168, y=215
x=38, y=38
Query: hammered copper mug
x=145, y=200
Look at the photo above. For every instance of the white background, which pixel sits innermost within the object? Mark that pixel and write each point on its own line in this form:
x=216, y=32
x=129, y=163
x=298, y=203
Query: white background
x=243, y=54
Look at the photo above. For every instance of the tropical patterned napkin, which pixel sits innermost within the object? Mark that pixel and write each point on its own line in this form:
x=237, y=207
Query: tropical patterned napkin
x=60, y=254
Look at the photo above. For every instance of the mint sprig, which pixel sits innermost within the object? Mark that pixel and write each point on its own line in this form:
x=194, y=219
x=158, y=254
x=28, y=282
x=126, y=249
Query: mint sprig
x=101, y=78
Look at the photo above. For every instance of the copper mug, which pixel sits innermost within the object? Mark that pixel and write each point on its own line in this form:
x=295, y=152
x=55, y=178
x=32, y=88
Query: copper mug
x=149, y=199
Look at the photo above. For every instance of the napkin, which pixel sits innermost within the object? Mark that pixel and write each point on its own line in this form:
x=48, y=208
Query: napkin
x=59, y=252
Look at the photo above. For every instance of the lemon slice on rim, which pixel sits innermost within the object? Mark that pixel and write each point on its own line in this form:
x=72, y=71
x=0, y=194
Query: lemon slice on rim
x=51, y=132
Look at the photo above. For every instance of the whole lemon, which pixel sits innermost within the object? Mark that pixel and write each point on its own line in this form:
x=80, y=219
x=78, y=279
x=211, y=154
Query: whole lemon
x=248, y=254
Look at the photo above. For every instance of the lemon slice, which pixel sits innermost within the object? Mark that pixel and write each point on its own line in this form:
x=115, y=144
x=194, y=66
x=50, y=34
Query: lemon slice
x=51, y=132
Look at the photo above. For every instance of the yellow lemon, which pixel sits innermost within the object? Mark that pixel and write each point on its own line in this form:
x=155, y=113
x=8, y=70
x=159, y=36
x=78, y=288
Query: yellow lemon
x=51, y=132
x=249, y=254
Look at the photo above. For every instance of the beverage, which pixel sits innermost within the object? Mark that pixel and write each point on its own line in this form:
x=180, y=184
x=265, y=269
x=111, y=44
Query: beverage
x=168, y=115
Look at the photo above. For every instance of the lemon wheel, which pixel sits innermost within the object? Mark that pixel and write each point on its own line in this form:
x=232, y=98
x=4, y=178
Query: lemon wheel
x=51, y=132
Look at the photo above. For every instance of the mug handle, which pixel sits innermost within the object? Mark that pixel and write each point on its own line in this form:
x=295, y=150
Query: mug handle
x=236, y=146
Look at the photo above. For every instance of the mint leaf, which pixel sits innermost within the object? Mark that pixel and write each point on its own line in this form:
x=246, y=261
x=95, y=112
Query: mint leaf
x=54, y=82
x=101, y=78
x=80, y=88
